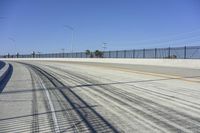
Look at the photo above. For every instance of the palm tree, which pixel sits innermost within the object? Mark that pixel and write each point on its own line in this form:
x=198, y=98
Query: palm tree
x=98, y=54
x=87, y=52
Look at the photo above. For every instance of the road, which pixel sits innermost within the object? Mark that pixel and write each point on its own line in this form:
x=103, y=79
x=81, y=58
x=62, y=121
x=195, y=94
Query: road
x=45, y=96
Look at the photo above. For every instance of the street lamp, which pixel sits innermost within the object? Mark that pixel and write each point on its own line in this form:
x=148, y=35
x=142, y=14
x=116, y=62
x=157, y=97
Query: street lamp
x=104, y=46
x=72, y=36
x=14, y=44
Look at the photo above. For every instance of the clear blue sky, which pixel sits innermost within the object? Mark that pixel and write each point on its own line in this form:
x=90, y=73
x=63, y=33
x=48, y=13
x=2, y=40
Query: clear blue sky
x=38, y=25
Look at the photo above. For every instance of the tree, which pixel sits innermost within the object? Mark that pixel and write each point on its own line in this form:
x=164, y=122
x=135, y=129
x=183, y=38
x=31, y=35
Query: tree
x=87, y=52
x=98, y=54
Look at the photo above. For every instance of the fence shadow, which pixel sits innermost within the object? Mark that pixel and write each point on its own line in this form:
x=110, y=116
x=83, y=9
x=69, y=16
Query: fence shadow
x=22, y=123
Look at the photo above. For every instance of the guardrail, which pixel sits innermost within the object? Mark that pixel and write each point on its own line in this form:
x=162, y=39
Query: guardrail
x=187, y=52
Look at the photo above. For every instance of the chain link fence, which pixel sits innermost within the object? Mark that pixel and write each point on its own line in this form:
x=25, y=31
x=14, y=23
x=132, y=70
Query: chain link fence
x=190, y=52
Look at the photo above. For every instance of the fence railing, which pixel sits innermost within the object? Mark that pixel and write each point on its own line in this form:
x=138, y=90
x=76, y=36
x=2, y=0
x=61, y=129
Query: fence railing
x=190, y=52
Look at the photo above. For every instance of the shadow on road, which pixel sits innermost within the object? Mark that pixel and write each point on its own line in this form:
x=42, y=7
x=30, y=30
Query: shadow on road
x=22, y=123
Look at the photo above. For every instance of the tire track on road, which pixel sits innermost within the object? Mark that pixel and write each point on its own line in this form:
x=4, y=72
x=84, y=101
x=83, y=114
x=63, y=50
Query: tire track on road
x=180, y=123
x=94, y=121
x=35, y=122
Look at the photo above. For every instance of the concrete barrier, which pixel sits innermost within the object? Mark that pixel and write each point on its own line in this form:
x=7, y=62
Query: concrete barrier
x=183, y=63
x=4, y=71
x=2, y=64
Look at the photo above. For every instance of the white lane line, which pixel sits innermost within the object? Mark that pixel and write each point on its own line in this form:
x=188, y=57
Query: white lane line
x=55, y=121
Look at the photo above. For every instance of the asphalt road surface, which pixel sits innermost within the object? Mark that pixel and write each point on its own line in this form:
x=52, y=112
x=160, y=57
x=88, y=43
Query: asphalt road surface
x=95, y=97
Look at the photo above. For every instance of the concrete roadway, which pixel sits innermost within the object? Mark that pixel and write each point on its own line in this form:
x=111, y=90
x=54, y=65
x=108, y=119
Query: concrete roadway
x=98, y=97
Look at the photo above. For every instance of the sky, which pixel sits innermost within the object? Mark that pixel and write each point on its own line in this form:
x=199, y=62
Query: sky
x=43, y=25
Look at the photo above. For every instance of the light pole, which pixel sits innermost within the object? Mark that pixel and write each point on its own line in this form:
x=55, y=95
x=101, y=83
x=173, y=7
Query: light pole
x=72, y=37
x=14, y=45
x=104, y=46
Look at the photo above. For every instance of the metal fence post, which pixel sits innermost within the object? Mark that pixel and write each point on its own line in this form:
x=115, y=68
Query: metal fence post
x=169, y=50
x=17, y=55
x=185, y=52
x=155, y=52
x=124, y=53
x=33, y=54
x=144, y=53
x=133, y=53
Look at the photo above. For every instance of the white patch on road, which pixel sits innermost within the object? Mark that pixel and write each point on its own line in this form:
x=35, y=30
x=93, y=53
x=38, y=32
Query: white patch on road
x=55, y=121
